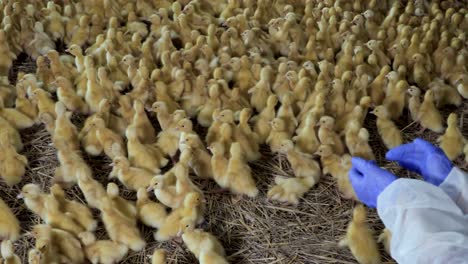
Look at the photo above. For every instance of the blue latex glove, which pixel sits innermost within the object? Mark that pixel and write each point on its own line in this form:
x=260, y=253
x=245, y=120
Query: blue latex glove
x=424, y=158
x=369, y=180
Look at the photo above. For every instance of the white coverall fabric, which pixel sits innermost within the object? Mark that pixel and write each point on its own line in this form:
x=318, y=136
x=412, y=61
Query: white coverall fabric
x=429, y=224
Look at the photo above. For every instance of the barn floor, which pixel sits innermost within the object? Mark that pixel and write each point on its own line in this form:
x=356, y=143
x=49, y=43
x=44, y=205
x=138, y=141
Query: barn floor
x=251, y=230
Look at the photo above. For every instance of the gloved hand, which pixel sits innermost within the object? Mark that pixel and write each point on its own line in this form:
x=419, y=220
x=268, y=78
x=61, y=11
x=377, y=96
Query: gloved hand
x=369, y=180
x=424, y=158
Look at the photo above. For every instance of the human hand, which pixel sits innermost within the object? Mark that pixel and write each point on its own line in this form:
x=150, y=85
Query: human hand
x=369, y=180
x=424, y=158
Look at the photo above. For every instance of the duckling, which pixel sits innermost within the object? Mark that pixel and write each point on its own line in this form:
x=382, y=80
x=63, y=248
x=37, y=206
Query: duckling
x=43, y=100
x=150, y=213
x=67, y=95
x=12, y=164
x=58, y=219
x=8, y=254
x=9, y=224
x=214, y=130
x=41, y=44
x=277, y=134
x=59, y=64
x=141, y=123
x=306, y=140
x=219, y=163
x=286, y=113
x=54, y=22
x=385, y=237
x=88, y=136
x=16, y=118
x=119, y=228
x=414, y=102
x=199, y=241
x=168, y=141
x=376, y=87
x=7, y=91
x=7, y=56
x=290, y=190
x=246, y=137
x=162, y=114
x=395, y=101
x=357, y=141
x=262, y=121
x=181, y=218
x=13, y=134
x=64, y=130
x=71, y=163
x=56, y=244
x=338, y=167
x=94, y=92
x=111, y=142
x=388, y=131
x=44, y=74
x=159, y=256
x=35, y=256
x=452, y=141
x=92, y=190
x=79, y=212
x=420, y=74
x=359, y=238
x=301, y=163
x=143, y=156
x=461, y=83
x=199, y=158
x=261, y=91
x=238, y=173
x=125, y=109
x=205, y=113
x=328, y=136
x=444, y=94
x=102, y=251
x=428, y=115
x=131, y=177
x=125, y=207
x=34, y=199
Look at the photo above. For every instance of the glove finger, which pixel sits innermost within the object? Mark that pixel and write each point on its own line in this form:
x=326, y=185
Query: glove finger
x=406, y=155
x=365, y=166
x=356, y=178
x=360, y=163
x=423, y=144
x=354, y=173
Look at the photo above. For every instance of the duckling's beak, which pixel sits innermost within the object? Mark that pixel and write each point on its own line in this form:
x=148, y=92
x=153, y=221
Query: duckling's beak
x=112, y=164
x=150, y=188
x=372, y=112
x=20, y=196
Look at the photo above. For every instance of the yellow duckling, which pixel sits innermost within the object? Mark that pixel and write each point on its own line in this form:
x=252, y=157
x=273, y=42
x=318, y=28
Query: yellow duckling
x=131, y=177
x=9, y=224
x=359, y=238
x=181, y=218
x=452, y=141
x=238, y=173
x=388, y=131
x=16, y=118
x=150, y=213
x=12, y=164
x=144, y=156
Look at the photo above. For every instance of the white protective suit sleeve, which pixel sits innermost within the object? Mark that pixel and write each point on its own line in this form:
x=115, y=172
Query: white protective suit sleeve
x=456, y=186
x=427, y=225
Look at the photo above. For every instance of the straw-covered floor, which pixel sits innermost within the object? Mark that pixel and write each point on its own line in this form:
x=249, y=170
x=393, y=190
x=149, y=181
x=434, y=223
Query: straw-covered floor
x=251, y=230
